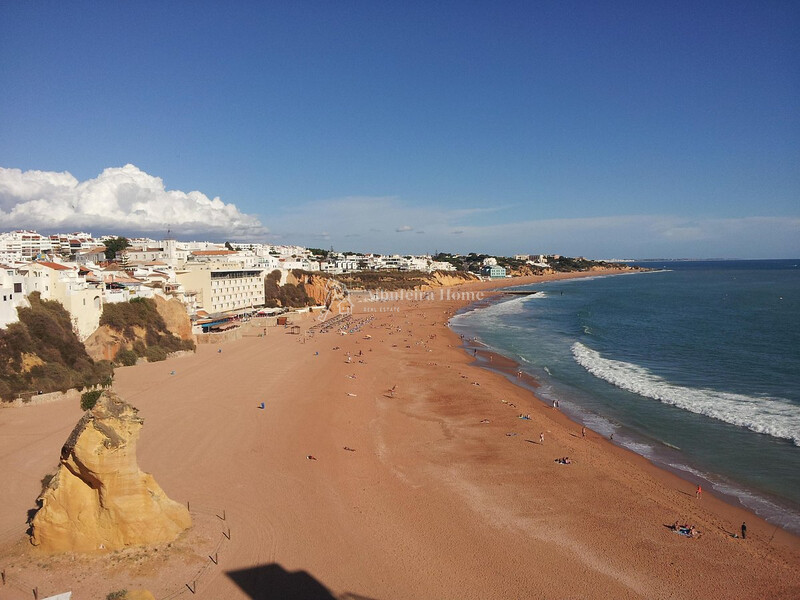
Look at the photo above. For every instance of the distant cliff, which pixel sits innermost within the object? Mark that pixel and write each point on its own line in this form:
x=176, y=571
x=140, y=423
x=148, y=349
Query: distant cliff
x=317, y=287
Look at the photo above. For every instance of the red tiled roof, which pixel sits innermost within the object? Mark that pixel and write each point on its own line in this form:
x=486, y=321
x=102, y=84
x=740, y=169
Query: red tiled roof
x=54, y=266
x=114, y=278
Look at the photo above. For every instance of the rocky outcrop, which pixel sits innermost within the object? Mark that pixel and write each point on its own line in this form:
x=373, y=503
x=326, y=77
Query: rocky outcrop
x=104, y=343
x=99, y=499
x=177, y=320
x=315, y=286
x=138, y=595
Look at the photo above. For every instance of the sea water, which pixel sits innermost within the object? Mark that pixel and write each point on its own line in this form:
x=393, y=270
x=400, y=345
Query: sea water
x=695, y=365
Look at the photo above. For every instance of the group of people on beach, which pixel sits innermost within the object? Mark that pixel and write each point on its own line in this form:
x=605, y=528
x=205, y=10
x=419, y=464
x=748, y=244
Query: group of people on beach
x=686, y=530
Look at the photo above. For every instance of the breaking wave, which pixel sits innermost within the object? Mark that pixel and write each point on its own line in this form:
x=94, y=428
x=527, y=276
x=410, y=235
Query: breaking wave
x=772, y=416
x=493, y=313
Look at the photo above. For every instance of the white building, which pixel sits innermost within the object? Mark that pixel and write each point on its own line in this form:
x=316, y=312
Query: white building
x=440, y=266
x=95, y=254
x=222, y=287
x=289, y=264
x=60, y=282
x=24, y=244
x=12, y=295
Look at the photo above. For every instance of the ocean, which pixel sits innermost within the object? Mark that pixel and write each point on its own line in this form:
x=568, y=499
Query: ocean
x=695, y=365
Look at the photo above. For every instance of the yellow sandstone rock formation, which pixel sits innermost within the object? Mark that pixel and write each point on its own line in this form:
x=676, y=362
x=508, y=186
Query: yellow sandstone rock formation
x=99, y=499
x=138, y=595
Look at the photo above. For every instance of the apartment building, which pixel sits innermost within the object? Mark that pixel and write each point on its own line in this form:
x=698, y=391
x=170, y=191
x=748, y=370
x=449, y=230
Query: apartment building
x=222, y=287
x=12, y=295
x=63, y=283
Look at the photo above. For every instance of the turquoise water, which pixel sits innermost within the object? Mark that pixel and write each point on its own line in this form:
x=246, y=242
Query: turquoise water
x=696, y=366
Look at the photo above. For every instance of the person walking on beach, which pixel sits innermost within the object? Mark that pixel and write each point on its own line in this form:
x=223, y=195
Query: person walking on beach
x=698, y=492
x=392, y=389
x=744, y=530
x=583, y=432
x=541, y=438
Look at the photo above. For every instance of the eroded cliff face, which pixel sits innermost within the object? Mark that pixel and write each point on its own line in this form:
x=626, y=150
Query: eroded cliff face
x=318, y=288
x=106, y=342
x=173, y=311
x=448, y=278
x=99, y=499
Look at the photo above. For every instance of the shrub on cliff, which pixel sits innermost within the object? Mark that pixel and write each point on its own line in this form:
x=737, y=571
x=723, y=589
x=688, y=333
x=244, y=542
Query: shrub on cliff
x=139, y=348
x=156, y=354
x=126, y=358
x=138, y=312
x=142, y=314
x=89, y=399
x=41, y=352
x=290, y=295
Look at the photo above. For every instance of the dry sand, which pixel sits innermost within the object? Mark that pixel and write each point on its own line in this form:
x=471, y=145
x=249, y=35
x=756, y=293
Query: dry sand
x=429, y=502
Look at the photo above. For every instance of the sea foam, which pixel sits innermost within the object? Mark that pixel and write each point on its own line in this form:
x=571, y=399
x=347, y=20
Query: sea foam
x=493, y=313
x=772, y=416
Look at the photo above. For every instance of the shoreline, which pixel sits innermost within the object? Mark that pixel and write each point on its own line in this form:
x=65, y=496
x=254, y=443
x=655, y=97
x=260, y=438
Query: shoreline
x=435, y=490
x=492, y=359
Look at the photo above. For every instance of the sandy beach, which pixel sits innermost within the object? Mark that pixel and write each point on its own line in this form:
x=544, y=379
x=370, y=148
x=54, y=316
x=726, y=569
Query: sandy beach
x=434, y=490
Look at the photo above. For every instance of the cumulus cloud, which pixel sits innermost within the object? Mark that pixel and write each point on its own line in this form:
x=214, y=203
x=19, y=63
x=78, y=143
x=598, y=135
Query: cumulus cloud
x=123, y=200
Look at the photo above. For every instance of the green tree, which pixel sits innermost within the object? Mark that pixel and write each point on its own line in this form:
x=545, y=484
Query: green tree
x=319, y=252
x=228, y=246
x=114, y=246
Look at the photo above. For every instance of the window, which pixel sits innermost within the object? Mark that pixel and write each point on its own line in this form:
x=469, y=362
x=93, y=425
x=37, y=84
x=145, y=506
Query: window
x=17, y=288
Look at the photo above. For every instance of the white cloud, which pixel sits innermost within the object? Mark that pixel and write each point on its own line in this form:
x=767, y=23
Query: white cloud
x=404, y=228
x=123, y=200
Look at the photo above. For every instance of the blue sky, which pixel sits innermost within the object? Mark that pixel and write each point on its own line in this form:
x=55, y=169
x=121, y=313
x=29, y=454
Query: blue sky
x=605, y=129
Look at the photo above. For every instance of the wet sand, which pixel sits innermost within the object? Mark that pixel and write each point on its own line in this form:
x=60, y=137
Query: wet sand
x=432, y=499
